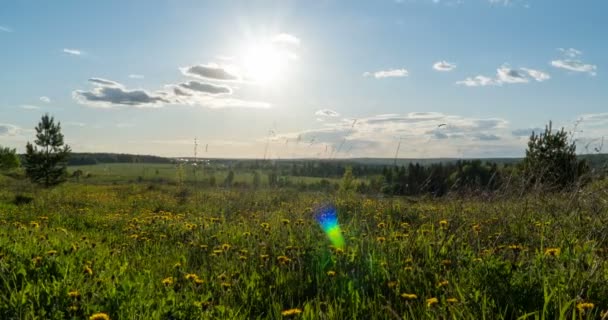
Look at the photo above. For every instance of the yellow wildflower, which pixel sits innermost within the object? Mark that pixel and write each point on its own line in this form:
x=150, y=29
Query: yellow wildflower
x=99, y=316
x=191, y=276
x=582, y=306
x=442, y=283
x=431, y=302
x=451, y=300
x=74, y=294
x=409, y=296
x=291, y=312
x=331, y=273
x=168, y=281
x=554, y=252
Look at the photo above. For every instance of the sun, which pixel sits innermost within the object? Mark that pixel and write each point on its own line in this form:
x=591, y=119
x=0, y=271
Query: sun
x=264, y=63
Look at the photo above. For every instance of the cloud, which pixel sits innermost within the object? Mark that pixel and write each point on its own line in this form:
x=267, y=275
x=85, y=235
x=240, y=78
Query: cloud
x=327, y=113
x=29, y=107
x=477, y=81
x=571, y=62
x=444, y=66
x=73, y=52
x=209, y=71
x=286, y=38
x=525, y=132
x=5, y=29
x=205, y=87
x=506, y=75
x=391, y=73
x=45, y=99
x=136, y=76
x=537, y=75
x=575, y=66
x=486, y=137
x=8, y=130
x=109, y=94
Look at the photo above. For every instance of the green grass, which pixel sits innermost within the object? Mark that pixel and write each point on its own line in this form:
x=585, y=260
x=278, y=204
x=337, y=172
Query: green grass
x=479, y=259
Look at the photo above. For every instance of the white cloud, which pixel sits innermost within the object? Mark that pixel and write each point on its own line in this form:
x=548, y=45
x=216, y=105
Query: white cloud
x=506, y=75
x=444, y=66
x=391, y=73
x=286, y=38
x=45, y=99
x=136, y=76
x=109, y=94
x=327, y=113
x=5, y=29
x=29, y=107
x=73, y=52
x=537, y=75
x=477, y=81
x=575, y=66
x=571, y=62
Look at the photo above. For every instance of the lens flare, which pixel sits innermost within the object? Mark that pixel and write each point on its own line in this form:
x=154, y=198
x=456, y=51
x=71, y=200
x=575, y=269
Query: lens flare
x=327, y=217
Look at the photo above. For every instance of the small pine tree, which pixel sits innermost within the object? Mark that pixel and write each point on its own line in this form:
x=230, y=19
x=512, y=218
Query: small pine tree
x=551, y=160
x=8, y=158
x=46, y=163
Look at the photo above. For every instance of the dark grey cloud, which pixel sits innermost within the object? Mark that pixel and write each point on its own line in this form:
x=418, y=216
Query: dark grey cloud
x=108, y=94
x=205, y=87
x=8, y=129
x=210, y=71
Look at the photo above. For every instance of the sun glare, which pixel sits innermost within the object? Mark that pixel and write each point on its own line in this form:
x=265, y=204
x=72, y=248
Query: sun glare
x=264, y=63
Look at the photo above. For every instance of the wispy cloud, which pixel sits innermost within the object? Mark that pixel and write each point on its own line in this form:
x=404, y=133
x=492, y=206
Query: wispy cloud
x=506, y=75
x=391, y=73
x=45, y=99
x=5, y=29
x=29, y=107
x=327, y=113
x=571, y=62
x=8, y=130
x=136, y=76
x=444, y=66
x=73, y=52
x=286, y=38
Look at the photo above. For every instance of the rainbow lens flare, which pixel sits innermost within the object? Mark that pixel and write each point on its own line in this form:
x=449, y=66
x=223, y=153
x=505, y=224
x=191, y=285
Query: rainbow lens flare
x=327, y=217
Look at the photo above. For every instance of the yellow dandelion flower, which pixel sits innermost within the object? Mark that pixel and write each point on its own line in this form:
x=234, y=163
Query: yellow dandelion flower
x=446, y=262
x=198, y=281
x=476, y=228
x=331, y=273
x=554, y=252
x=285, y=221
x=191, y=276
x=291, y=312
x=168, y=281
x=409, y=296
x=222, y=277
x=381, y=225
x=264, y=257
x=218, y=251
x=283, y=260
x=242, y=258
x=582, y=306
x=431, y=302
x=226, y=285
x=442, y=283
x=88, y=271
x=34, y=224
x=73, y=308
x=51, y=252
x=37, y=260
x=177, y=265
x=408, y=269
x=443, y=223
x=381, y=239
x=405, y=225
x=226, y=247
x=451, y=300
x=265, y=225
x=99, y=316
x=392, y=284
x=74, y=294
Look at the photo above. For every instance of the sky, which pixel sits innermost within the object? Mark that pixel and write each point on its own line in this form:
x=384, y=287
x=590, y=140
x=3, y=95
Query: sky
x=290, y=79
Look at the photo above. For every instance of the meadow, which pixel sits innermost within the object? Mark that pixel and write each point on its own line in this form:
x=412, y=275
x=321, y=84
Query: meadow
x=112, y=247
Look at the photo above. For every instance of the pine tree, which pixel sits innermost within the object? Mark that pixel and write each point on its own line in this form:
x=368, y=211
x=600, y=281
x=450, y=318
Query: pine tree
x=46, y=163
x=8, y=158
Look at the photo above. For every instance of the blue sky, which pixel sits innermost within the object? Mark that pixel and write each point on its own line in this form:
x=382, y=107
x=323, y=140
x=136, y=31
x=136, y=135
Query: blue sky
x=325, y=79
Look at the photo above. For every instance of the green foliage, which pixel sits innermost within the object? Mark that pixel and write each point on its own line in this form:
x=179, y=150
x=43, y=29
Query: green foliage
x=8, y=158
x=347, y=185
x=551, y=160
x=257, y=180
x=46, y=163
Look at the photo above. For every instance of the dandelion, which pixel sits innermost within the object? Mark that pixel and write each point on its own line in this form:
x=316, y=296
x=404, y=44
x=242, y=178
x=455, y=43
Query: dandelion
x=265, y=225
x=225, y=285
x=168, y=281
x=392, y=284
x=442, y=283
x=583, y=306
x=283, y=260
x=177, y=265
x=191, y=276
x=51, y=252
x=264, y=257
x=222, y=277
x=405, y=225
x=198, y=281
x=451, y=300
x=88, y=271
x=443, y=224
x=226, y=247
x=446, y=263
x=554, y=252
x=431, y=302
x=381, y=225
x=381, y=239
x=74, y=294
x=408, y=269
x=331, y=273
x=291, y=312
x=99, y=316
x=217, y=252
x=285, y=221
x=476, y=228
x=409, y=296
x=34, y=224
x=242, y=258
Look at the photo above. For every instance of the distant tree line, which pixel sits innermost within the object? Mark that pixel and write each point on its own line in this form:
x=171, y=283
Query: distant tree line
x=77, y=159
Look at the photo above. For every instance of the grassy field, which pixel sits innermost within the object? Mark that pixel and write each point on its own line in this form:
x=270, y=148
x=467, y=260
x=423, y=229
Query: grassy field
x=161, y=251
